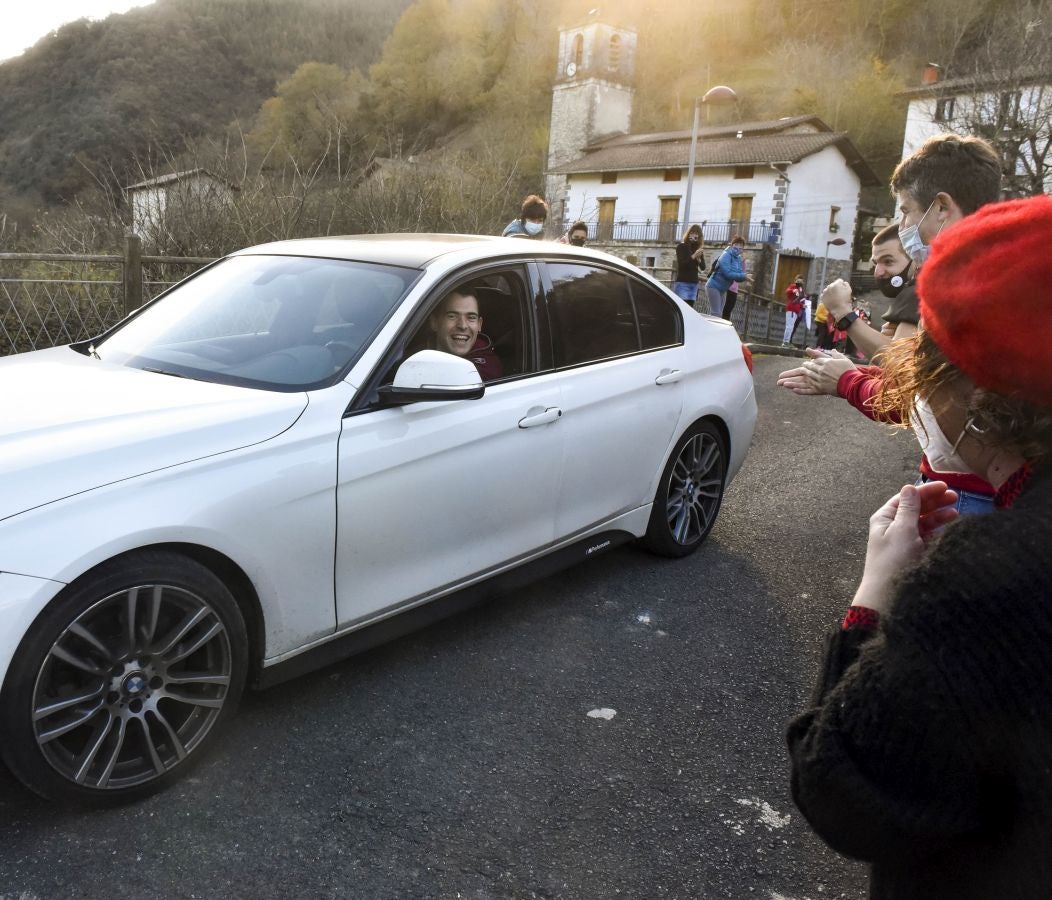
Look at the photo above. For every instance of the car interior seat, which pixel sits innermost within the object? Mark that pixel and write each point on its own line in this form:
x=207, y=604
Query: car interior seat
x=502, y=322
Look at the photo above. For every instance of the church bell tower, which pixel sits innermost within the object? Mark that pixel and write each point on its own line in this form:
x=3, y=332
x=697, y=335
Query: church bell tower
x=592, y=96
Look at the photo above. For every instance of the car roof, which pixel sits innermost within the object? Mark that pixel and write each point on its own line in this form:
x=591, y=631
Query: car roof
x=417, y=250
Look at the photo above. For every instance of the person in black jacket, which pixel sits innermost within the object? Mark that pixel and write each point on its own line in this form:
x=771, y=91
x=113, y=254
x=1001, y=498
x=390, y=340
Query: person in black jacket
x=926, y=748
x=689, y=257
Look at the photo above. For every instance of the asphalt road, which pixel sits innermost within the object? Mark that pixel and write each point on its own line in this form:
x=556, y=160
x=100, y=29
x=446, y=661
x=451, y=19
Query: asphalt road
x=470, y=760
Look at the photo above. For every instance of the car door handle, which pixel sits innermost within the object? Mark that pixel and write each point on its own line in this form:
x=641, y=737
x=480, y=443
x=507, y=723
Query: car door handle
x=538, y=416
x=668, y=376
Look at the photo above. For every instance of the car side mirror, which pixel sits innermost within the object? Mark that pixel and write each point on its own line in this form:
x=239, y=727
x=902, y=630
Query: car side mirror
x=432, y=375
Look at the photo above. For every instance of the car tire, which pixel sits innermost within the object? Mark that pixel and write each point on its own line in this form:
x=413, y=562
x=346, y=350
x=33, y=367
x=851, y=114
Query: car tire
x=124, y=680
x=689, y=494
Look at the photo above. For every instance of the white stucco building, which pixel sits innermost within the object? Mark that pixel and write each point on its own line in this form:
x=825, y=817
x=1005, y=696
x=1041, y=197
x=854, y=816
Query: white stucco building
x=150, y=200
x=790, y=184
x=1012, y=110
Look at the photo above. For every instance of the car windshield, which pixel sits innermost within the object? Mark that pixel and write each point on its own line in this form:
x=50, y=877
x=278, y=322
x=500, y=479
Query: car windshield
x=274, y=322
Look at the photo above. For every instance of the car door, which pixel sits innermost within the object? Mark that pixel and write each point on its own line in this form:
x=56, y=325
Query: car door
x=434, y=494
x=618, y=346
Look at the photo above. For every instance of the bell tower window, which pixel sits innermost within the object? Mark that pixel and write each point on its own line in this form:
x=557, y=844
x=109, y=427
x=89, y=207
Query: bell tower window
x=614, y=54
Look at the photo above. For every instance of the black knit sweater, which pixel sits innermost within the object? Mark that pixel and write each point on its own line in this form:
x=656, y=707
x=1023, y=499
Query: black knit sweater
x=928, y=746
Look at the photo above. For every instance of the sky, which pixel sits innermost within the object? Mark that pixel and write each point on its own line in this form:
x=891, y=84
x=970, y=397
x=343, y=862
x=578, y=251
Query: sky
x=35, y=18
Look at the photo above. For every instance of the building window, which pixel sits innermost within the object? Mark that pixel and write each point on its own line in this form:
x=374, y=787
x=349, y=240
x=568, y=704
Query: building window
x=605, y=228
x=578, y=50
x=673, y=174
x=668, y=218
x=834, y=225
x=944, y=109
x=608, y=178
x=1008, y=106
x=744, y=171
x=614, y=59
x=741, y=215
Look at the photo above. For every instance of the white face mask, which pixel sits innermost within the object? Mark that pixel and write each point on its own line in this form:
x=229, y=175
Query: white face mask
x=534, y=227
x=941, y=452
x=912, y=242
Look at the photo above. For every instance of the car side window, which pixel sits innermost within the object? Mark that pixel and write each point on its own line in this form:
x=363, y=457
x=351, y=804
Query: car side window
x=660, y=322
x=484, y=318
x=591, y=314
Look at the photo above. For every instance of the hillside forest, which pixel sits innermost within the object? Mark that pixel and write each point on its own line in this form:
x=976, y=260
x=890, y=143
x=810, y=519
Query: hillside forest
x=343, y=116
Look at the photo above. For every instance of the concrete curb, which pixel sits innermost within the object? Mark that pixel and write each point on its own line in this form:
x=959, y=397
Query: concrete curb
x=775, y=349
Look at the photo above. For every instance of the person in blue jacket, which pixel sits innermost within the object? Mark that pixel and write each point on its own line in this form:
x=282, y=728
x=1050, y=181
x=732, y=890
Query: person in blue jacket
x=729, y=267
x=530, y=223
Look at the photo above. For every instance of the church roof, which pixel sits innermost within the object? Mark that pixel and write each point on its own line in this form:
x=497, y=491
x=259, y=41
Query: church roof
x=670, y=150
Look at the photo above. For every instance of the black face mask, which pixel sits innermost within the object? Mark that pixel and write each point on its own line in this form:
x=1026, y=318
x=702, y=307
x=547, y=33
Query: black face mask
x=577, y=241
x=892, y=287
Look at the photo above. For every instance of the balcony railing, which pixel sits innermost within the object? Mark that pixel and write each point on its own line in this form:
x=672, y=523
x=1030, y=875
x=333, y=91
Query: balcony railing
x=651, y=231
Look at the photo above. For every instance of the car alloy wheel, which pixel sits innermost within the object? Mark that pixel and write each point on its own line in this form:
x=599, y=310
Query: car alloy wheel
x=123, y=692
x=689, y=494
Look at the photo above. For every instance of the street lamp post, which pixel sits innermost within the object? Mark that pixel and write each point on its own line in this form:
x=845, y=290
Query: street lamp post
x=719, y=94
x=832, y=242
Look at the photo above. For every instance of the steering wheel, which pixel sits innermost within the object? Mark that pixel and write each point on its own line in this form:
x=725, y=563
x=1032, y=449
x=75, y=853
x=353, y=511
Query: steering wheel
x=341, y=351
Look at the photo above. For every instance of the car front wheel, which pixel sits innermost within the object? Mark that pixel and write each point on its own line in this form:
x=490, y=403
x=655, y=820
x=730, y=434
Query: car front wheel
x=124, y=680
x=689, y=493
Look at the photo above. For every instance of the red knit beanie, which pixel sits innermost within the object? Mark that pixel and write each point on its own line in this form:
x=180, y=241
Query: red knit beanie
x=986, y=297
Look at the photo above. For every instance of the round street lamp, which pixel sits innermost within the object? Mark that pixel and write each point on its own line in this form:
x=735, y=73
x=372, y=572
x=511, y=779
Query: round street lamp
x=832, y=242
x=718, y=95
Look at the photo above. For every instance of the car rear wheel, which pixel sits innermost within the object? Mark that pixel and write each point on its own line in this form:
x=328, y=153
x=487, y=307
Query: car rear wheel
x=124, y=680
x=689, y=493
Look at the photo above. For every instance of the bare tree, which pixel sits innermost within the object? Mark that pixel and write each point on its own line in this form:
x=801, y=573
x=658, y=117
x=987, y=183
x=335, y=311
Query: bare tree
x=1005, y=95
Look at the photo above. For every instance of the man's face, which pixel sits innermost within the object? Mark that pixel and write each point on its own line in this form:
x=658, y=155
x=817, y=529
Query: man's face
x=456, y=324
x=942, y=213
x=888, y=259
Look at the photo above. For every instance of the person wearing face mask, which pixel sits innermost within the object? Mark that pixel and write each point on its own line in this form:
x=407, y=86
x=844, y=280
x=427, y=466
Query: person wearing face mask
x=794, y=307
x=954, y=177
x=925, y=747
x=729, y=266
x=891, y=269
x=530, y=222
x=689, y=257
x=576, y=235
x=947, y=178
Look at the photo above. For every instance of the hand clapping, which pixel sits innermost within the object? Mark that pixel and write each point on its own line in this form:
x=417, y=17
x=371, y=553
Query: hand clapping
x=819, y=375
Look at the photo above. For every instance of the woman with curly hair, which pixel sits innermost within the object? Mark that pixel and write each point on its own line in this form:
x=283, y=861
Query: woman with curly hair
x=927, y=746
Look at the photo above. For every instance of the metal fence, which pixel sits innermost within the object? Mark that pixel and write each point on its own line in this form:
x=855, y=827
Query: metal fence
x=757, y=318
x=49, y=299
x=650, y=231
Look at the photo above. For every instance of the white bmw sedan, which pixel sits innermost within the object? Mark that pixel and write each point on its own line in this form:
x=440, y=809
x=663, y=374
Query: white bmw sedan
x=312, y=446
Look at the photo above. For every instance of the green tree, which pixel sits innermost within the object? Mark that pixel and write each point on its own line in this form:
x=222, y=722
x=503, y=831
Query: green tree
x=311, y=120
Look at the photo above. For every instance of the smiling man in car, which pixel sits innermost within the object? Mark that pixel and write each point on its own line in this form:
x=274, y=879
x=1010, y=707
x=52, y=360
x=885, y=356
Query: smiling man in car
x=457, y=327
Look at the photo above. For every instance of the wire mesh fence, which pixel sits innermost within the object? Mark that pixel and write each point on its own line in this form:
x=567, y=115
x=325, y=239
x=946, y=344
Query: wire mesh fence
x=51, y=299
